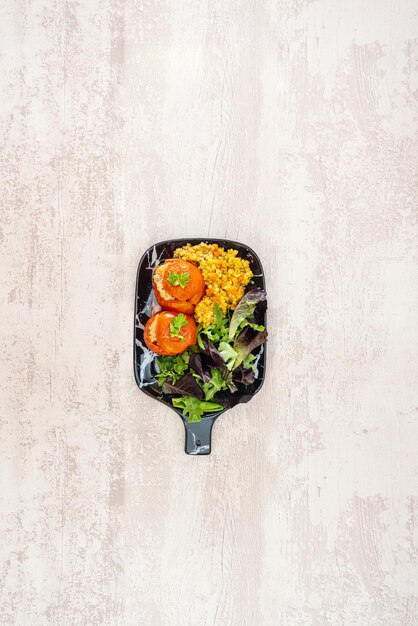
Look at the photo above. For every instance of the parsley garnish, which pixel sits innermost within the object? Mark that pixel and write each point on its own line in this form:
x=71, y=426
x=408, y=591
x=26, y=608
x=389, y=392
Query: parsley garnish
x=176, y=279
x=178, y=322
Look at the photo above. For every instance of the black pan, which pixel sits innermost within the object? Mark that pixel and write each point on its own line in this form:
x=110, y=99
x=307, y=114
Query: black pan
x=198, y=434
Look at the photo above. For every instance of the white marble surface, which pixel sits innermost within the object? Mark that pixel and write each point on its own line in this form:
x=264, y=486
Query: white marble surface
x=288, y=125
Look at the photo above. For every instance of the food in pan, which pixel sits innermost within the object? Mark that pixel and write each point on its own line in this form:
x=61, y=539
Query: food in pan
x=167, y=334
x=178, y=285
x=225, y=275
x=201, y=366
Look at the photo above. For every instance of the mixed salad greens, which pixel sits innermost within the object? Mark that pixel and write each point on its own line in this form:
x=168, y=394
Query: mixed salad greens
x=204, y=377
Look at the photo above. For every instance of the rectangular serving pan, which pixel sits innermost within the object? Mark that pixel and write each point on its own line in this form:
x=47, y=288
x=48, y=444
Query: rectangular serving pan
x=198, y=434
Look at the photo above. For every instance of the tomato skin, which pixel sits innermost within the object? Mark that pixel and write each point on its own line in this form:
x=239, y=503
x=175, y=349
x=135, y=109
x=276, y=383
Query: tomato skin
x=164, y=344
x=174, y=344
x=147, y=337
x=173, y=305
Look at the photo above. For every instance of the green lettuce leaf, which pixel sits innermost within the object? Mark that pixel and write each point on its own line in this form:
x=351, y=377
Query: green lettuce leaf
x=248, y=361
x=259, y=327
x=228, y=354
x=194, y=408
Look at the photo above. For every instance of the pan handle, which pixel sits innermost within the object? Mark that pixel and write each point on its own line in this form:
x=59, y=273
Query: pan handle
x=199, y=435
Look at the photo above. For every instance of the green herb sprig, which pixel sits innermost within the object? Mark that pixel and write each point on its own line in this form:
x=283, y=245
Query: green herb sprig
x=179, y=279
x=178, y=322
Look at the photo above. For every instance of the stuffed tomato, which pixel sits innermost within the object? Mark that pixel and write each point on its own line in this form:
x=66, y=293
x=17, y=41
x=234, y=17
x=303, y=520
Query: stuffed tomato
x=167, y=334
x=178, y=285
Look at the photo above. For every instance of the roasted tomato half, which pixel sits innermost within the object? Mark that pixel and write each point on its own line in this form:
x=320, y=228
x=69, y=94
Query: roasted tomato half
x=178, y=285
x=168, y=333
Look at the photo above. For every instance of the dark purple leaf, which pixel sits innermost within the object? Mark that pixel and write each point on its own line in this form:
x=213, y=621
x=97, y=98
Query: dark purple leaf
x=196, y=364
x=260, y=311
x=244, y=376
x=228, y=399
x=214, y=358
x=185, y=386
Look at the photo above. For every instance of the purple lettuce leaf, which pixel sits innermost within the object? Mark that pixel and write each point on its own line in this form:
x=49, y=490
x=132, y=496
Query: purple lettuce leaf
x=247, y=341
x=245, y=308
x=185, y=386
x=244, y=376
x=213, y=356
x=229, y=400
x=199, y=367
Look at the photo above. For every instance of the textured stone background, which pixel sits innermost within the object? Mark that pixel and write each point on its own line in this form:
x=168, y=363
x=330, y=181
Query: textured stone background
x=288, y=125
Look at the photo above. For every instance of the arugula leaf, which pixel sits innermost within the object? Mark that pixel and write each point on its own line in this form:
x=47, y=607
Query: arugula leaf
x=214, y=332
x=178, y=322
x=181, y=279
x=199, y=339
x=218, y=314
x=186, y=385
x=216, y=383
x=171, y=367
x=195, y=408
x=247, y=341
x=245, y=308
x=228, y=354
